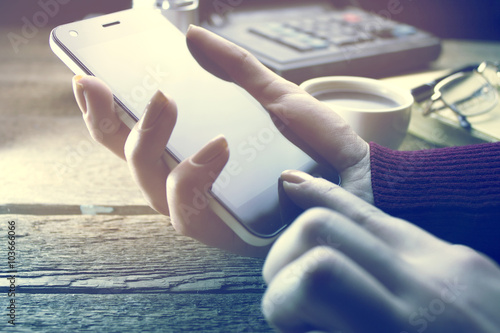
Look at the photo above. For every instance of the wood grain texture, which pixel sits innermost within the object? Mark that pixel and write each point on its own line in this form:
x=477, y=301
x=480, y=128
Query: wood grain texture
x=122, y=254
x=126, y=274
x=131, y=313
x=43, y=209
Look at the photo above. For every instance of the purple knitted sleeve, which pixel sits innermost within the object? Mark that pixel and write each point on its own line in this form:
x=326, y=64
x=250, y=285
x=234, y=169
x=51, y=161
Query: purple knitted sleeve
x=452, y=192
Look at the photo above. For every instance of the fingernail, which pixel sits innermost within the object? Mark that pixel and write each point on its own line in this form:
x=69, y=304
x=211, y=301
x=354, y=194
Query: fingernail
x=79, y=93
x=191, y=27
x=155, y=107
x=295, y=176
x=208, y=153
x=188, y=34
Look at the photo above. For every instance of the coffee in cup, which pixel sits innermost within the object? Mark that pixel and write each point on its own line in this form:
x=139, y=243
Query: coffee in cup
x=377, y=111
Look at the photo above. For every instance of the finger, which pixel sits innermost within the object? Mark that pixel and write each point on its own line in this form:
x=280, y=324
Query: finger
x=310, y=120
x=145, y=147
x=232, y=63
x=307, y=191
x=323, y=289
x=240, y=66
x=322, y=227
x=97, y=105
x=188, y=193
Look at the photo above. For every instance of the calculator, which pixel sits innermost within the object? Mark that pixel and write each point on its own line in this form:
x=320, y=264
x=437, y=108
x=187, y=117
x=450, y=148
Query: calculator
x=313, y=39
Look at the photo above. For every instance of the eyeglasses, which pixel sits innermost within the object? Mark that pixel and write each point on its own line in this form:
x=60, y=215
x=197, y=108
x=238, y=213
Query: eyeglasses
x=468, y=93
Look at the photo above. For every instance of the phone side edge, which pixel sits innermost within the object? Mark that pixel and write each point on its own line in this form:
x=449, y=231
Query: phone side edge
x=237, y=227
x=62, y=55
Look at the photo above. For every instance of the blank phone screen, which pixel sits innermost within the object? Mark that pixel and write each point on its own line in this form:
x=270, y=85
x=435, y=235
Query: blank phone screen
x=136, y=63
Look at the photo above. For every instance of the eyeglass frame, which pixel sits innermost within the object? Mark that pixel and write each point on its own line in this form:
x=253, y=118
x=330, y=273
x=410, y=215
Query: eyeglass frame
x=437, y=95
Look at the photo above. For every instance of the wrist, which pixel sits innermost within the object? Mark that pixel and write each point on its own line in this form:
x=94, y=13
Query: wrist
x=357, y=178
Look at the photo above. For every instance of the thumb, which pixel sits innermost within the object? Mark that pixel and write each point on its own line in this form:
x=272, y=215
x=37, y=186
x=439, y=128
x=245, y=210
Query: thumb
x=307, y=192
x=189, y=184
x=188, y=195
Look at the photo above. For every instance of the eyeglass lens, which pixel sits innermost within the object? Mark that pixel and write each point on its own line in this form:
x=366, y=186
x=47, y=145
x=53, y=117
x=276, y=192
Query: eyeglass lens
x=469, y=94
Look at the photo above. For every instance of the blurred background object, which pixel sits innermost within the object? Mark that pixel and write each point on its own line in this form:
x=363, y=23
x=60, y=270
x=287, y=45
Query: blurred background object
x=57, y=11
x=300, y=40
x=463, y=19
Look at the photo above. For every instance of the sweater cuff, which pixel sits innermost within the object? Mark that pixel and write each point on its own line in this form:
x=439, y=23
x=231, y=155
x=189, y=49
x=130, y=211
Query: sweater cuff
x=454, y=179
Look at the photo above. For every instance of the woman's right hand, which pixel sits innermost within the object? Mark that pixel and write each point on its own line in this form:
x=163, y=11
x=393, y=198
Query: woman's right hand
x=349, y=267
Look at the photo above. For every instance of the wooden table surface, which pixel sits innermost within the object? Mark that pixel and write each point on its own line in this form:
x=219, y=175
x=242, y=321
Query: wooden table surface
x=91, y=256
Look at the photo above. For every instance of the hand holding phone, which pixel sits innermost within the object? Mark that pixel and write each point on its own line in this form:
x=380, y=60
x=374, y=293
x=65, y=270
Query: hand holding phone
x=320, y=131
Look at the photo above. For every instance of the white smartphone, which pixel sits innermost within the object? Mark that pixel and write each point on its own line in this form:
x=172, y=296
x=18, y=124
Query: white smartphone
x=137, y=52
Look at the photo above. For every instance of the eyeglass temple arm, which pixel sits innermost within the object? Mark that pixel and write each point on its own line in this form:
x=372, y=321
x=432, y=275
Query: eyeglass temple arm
x=464, y=123
x=462, y=120
x=425, y=91
x=428, y=106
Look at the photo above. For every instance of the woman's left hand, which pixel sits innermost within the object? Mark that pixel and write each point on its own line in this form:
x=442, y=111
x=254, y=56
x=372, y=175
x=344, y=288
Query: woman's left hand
x=309, y=123
x=350, y=267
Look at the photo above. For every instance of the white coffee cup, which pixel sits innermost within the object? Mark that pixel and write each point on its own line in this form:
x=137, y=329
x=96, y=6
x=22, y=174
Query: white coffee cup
x=376, y=110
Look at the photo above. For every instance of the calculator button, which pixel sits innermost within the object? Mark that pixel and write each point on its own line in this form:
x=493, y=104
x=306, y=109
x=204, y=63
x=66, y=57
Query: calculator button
x=343, y=40
x=403, y=30
x=319, y=43
x=293, y=23
x=323, y=34
x=348, y=30
x=336, y=17
x=266, y=31
x=296, y=44
x=351, y=18
x=384, y=33
x=308, y=30
x=286, y=31
x=365, y=37
x=337, y=28
x=323, y=19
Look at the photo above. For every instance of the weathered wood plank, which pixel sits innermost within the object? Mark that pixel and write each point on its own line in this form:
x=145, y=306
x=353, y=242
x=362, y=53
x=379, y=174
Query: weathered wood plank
x=120, y=254
x=44, y=209
x=136, y=313
x=125, y=274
